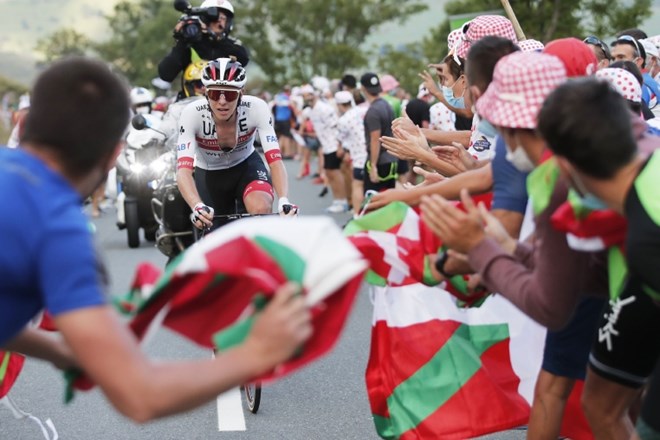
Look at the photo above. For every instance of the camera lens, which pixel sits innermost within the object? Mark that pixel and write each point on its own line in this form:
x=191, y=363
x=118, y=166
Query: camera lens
x=191, y=31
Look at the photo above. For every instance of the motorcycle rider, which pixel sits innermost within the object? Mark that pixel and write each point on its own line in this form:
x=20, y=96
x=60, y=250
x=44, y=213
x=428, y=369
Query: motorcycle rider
x=215, y=43
x=219, y=136
x=141, y=100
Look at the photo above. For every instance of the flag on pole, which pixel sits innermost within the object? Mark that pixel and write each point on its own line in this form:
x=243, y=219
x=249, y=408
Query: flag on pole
x=213, y=291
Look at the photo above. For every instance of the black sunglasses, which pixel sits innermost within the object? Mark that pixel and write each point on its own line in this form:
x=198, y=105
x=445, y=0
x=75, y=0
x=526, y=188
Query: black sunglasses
x=594, y=41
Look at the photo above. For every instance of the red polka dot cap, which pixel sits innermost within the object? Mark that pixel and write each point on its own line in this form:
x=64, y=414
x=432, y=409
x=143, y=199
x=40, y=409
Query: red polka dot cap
x=453, y=37
x=521, y=82
x=484, y=26
x=623, y=82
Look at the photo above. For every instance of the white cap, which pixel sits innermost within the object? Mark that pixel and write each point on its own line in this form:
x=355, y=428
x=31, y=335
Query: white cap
x=321, y=83
x=650, y=48
x=307, y=89
x=344, y=97
x=422, y=91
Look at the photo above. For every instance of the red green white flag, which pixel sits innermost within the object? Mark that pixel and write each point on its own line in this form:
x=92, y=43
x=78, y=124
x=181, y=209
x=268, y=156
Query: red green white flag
x=440, y=371
x=211, y=293
x=11, y=365
x=401, y=248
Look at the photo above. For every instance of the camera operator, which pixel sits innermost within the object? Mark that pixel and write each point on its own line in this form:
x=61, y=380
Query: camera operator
x=203, y=33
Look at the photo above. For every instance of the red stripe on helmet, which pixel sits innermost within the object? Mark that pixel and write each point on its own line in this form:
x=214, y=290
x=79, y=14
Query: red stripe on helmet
x=232, y=72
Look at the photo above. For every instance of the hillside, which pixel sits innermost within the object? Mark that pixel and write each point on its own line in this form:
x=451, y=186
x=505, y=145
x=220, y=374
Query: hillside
x=24, y=22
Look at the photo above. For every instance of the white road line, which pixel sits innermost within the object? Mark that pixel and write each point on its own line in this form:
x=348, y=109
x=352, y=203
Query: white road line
x=230, y=410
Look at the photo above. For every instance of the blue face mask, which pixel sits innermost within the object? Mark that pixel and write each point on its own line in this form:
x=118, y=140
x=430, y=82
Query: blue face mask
x=486, y=128
x=587, y=199
x=448, y=93
x=593, y=203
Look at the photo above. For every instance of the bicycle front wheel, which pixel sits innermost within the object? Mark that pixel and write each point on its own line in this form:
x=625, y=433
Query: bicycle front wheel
x=253, y=396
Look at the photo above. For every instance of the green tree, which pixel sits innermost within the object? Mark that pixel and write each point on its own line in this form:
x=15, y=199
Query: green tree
x=540, y=19
x=141, y=35
x=63, y=42
x=548, y=20
x=404, y=63
x=293, y=40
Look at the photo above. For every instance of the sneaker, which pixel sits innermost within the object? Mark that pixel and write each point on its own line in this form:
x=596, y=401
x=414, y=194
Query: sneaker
x=337, y=208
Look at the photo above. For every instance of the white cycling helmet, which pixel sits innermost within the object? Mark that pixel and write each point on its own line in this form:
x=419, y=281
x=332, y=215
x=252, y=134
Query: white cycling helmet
x=141, y=96
x=224, y=72
x=220, y=4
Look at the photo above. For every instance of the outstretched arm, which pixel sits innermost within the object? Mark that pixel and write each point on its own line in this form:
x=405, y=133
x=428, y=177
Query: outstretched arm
x=143, y=390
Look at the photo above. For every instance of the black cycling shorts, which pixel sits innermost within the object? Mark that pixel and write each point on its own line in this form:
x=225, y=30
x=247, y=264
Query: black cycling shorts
x=283, y=128
x=331, y=161
x=386, y=171
x=223, y=189
x=403, y=166
x=358, y=174
x=627, y=345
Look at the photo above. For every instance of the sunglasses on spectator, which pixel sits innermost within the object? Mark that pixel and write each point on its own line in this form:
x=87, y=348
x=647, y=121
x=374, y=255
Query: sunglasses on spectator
x=594, y=41
x=628, y=39
x=230, y=95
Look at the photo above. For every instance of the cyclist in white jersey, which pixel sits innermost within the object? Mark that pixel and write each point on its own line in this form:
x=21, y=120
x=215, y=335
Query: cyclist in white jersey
x=216, y=141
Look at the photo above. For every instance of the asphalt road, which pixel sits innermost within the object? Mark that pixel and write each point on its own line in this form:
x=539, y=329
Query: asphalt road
x=324, y=401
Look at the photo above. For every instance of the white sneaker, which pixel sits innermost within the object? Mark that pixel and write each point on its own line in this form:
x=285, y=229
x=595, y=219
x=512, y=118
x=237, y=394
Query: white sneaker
x=337, y=208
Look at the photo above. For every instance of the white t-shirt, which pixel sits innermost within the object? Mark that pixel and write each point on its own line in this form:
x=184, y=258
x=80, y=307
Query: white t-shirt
x=324, y=118
x=350, y=132
x=442, y=118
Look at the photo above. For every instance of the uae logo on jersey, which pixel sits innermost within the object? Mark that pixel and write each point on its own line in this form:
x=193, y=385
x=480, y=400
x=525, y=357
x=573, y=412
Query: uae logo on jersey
x=262, y=175
x=481, y=144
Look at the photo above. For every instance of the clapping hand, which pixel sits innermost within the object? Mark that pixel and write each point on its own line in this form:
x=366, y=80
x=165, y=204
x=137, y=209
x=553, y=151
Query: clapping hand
x=458, y=230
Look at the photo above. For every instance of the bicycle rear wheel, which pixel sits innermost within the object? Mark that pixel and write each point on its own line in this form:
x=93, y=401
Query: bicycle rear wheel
x=253, y=396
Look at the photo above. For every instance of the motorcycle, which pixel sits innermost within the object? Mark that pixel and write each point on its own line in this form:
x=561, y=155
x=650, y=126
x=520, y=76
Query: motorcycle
x=170, y=211
x=140, y=167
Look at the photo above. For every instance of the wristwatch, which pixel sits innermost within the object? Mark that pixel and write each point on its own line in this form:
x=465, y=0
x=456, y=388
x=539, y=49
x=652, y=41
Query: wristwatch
x=440, y=264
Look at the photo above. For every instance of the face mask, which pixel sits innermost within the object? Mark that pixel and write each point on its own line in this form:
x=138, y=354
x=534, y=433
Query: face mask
x=486, y=128
x=519, y=159
x=587, y=199
x=448, y=93
x=593, y=203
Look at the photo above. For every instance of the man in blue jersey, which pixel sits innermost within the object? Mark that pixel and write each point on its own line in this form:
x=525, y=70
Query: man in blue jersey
x=78, y=115
x=283, y=115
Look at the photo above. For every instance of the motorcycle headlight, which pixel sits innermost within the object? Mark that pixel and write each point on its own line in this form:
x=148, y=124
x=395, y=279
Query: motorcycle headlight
x=137, y=167
x=158, y=166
